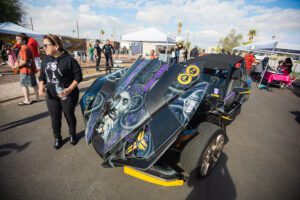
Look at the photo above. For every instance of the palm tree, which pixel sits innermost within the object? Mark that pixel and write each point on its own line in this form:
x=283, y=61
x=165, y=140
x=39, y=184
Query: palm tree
x=102, y=33
x=251, y=34
x=179, y=26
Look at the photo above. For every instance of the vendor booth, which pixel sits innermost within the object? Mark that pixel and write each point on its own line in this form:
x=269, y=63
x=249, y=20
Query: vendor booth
x=277, y=73
x=8, y=32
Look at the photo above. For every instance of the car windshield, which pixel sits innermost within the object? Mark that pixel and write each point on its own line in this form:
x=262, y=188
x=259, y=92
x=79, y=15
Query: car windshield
x=215, y=77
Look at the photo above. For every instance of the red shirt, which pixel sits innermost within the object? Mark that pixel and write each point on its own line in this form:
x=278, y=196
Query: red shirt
x=34, y=46
x=249, y=59
x=26, y=55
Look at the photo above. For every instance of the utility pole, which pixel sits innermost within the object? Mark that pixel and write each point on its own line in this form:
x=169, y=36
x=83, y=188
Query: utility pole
x=77, y=29
x=31, y=23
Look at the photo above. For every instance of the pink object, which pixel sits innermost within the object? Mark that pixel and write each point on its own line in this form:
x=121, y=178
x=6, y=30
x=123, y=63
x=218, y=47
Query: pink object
x=11, y=58
x=270, y=77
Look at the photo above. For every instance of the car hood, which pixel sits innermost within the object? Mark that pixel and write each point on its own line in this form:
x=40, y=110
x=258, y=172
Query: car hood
x=148, y=87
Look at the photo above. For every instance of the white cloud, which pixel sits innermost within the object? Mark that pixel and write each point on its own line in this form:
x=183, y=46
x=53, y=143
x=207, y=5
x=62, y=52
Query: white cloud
x=62, y=20
x=219, y=17
x=207, y=20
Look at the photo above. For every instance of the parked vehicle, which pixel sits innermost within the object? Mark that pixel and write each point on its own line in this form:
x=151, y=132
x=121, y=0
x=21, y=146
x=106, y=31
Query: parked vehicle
x=135, y=116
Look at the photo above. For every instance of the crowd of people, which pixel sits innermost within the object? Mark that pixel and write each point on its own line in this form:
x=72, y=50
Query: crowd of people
x=177, y=51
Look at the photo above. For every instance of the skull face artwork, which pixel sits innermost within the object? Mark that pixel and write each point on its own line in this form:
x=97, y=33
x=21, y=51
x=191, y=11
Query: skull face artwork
x=116, y=107
x=191, y=103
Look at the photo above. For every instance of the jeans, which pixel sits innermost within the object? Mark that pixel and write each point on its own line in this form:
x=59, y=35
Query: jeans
x=92, y=58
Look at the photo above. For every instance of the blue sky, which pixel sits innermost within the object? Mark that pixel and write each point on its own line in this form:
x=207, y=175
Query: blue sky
x=206, y=21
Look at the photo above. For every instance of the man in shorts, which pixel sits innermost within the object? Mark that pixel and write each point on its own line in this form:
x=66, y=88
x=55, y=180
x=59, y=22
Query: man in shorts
x=26, y=65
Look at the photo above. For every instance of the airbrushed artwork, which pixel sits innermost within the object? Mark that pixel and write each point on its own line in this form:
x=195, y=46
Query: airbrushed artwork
x=133, y=116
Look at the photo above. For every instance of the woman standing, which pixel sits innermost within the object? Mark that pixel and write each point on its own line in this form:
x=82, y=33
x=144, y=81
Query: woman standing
x=60, y=75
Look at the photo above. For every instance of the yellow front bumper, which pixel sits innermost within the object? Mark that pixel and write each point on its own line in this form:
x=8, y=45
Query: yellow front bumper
x=151, y=179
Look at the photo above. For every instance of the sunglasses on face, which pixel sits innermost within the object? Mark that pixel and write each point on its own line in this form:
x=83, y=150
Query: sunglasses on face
x=46, y=45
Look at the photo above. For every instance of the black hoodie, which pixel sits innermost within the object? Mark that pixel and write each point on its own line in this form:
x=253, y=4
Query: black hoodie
x=61, y=71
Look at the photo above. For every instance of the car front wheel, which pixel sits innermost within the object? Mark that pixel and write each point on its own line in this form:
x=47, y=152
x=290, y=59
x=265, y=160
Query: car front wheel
x=203, y=152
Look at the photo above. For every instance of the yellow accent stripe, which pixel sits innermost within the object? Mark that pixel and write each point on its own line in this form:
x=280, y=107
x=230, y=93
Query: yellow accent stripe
x=246, y=92
x=151, y=179
x=215, y=95
x=224, y=117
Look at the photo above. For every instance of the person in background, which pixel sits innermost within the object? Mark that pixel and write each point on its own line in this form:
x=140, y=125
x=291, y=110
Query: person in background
x=164, y=50
x=194, y=53
x=91, y=53
x=152, y=55
x=12, y=58
x=35, y=50
x=185, y=55
x=249, y=60
x=285, y=66
x=159, y=50
x=83, y=56
x=108, y=50
x=203, y=53
x=2, y=52
x=177, y=53
x=59, y=78
x=173, y=56
x=26, y=65
x=97, y=54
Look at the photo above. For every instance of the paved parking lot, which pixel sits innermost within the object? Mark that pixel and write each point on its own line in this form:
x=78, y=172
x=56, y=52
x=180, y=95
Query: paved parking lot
x=260, y=161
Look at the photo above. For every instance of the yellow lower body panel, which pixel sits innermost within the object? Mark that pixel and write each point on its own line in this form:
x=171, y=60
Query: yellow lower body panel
x=151, y=179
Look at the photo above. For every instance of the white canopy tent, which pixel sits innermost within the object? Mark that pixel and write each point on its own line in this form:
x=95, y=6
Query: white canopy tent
x=148, y=35
x=14, y=29
x=271, y=46
x=149, y=38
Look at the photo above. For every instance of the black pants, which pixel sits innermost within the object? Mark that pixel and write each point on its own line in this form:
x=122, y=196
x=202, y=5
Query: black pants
x=98, y=63
x=67, y=106
x=108, y=57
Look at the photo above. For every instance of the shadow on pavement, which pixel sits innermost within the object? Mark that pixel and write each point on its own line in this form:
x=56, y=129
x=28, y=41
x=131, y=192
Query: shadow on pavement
x=8, y=148
x=297, y=114
x=217, y=185
x=79, y=136
x=23, y=121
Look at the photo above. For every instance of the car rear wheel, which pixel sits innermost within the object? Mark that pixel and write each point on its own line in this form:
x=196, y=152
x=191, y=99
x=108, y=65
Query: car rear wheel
x=202, y=153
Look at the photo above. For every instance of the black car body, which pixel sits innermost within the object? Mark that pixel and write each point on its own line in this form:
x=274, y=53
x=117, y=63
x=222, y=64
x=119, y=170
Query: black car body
x=133, y=116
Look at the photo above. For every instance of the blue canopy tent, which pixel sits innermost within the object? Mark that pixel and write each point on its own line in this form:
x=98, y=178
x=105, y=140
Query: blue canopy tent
x=8, y=28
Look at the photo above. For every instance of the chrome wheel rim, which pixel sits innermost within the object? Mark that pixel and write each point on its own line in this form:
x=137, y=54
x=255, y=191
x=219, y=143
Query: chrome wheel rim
x=212, y=154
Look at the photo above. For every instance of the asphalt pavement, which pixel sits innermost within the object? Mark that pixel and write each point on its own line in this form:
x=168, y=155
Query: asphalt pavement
x=260, y=161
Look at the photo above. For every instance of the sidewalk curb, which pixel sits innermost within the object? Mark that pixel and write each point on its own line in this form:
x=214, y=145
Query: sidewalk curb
x=87, y=78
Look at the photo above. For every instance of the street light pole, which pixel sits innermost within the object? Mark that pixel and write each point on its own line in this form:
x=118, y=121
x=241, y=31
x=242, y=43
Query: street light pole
x=31, y=23
x=77, y=29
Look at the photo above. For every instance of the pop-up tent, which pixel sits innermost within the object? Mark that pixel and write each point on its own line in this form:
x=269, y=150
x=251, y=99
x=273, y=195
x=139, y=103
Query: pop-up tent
x=14, y=29
x=148, y=35
x=8, y=28
x=271, y=46
x=143, y=41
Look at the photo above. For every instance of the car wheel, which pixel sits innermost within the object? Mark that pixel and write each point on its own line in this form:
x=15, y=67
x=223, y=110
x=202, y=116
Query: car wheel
x=202, y=153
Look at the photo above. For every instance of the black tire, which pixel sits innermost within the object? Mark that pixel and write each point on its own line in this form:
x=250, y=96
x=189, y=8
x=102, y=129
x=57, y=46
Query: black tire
x=195, y=155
